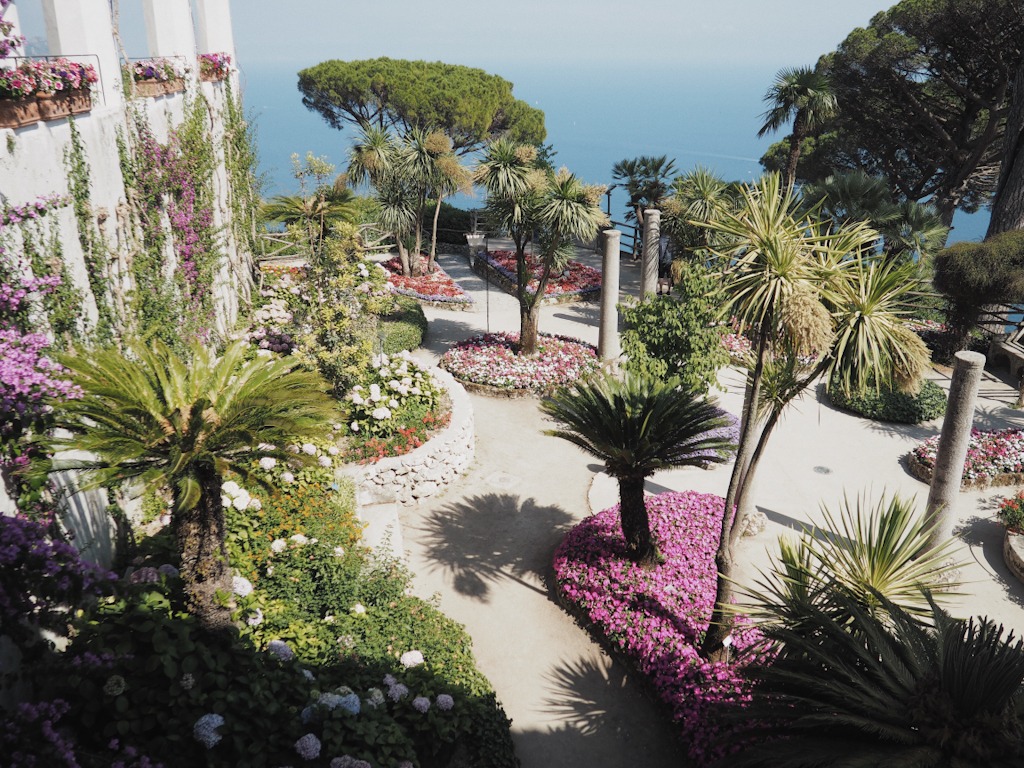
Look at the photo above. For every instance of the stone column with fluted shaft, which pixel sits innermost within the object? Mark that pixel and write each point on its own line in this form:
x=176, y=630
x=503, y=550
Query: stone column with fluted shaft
x=608, y=347
x=948, y=472
x=649, y=264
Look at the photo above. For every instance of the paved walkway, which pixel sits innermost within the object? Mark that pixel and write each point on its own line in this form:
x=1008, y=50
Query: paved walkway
x=485, y=546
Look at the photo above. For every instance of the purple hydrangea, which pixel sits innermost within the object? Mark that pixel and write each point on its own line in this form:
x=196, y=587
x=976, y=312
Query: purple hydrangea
x=205, y=729
x=308, y=747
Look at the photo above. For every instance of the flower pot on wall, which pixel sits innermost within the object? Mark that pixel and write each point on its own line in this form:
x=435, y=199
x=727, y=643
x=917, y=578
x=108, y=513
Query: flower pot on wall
x=80, y=101
x=15, y=113
x=54, y=106
x=153, y=88
x=212, y=77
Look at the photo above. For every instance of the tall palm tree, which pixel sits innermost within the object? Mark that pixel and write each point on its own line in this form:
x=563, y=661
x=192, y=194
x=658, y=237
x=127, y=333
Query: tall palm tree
x=638, y=426
x=165, y=421
x=805, y=96
x=698, y=197
x=801, y=286
x=447, y=175
x=861, y=687
x=524, y=200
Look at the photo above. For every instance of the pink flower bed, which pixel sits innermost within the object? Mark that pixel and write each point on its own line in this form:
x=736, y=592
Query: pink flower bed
x=428, y=286
x=575, y=278
x=490, y=359
x=658, y=618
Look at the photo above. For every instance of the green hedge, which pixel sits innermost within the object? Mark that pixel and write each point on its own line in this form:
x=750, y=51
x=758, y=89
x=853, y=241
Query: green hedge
x=890, y=405
x=404, y=328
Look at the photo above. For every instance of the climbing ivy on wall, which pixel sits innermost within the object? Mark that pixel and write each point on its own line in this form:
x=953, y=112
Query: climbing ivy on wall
x=94, y=246
x=243, y=180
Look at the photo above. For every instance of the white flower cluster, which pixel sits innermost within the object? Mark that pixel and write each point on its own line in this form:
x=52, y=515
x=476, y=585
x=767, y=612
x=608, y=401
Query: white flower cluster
x=205, y=729
x=234, y=495
x=391, y=382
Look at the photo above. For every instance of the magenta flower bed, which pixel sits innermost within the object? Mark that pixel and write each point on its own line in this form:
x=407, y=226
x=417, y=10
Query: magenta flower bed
x=491, y=360
x=657, y=618
x=575, y=278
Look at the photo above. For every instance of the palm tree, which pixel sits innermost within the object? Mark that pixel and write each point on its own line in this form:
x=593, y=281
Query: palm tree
x=646, y=181
x=524, y=200
x=316, y=212
x=165, y=421
x=805, y=96
x=638, y=426
x=447, y=176
x=697, y=198
x=861, y=687
x=802, y=286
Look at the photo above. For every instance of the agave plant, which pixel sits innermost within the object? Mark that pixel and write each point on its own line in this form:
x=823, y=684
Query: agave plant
x=881, y=687
x=869, y=553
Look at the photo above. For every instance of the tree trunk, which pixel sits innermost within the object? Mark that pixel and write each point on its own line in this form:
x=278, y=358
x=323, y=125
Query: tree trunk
x=1008, y=203
x=794, y=152
x=403, y=257
x=720, y=624
x=205, y=571
x=529, y=320
x=636, y=525
x=433, y=236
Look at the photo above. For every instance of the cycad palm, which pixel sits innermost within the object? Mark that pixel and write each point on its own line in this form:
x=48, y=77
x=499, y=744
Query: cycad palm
x=317, y=212
x=164, y=421
x=805, y=96
x=638, y=426
x=853, y=687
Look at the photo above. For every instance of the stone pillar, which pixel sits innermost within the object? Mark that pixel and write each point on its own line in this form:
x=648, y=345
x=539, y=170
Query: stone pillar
x=952, y=450
x=213, y=21
x=169, y=32
x=79, y=27
x=608, y=348
x=649, y=265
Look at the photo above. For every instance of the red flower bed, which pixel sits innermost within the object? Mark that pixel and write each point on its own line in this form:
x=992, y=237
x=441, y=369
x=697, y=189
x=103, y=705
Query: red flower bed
x=575, y=278
x=428, y=286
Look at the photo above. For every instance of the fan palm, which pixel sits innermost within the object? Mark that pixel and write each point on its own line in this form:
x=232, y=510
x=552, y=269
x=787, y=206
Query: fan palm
x=316, y=213
x=646, y=180
x=858, y=687
x=805, y=96
x=165, y=421
x=638, y=426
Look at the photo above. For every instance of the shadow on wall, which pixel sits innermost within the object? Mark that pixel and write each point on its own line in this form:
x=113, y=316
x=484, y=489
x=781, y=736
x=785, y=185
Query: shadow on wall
x=84, y=514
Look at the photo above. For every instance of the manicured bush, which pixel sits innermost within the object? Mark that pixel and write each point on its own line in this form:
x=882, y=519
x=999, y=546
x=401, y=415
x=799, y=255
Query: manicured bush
x=404, y=329
x=892, y=405
x=452, y=223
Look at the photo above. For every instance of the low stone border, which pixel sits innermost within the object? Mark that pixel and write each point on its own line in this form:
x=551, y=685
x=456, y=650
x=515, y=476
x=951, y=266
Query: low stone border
x=429, y=469
x=924, y=473
x=488, y=272
x=451, y=306
x=1013, y=553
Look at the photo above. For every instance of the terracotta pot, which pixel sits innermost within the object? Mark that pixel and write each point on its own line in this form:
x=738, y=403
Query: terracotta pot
x=15, y=113
x=81, y=101
x=153, y=88
x=211, y=77
x=54, y=106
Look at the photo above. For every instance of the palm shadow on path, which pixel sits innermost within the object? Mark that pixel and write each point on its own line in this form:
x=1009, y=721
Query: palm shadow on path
x=486, y=538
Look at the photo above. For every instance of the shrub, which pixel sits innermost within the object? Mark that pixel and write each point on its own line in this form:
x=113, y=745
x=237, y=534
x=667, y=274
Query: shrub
x=452, y=223
x=892, y=405
x=677, y=336
x=405, y=328
x=1011, y=512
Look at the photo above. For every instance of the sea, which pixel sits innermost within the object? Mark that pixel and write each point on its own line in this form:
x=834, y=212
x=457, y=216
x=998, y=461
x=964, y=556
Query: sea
x=595, y=117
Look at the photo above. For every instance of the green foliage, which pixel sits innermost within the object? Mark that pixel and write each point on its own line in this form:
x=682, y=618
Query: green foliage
x=403, y=329
x=94, y=246
x=241, y=163
x=892, y=405
x=973, y=275
x=42, y=248
x=858, y=687
x=452, y=224
x=678, y=336
x=645, y=180
x=873, y=554
x=469, y=105
x=1011, y=512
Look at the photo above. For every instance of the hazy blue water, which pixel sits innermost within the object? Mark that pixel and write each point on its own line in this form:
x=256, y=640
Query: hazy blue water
x=594, y=119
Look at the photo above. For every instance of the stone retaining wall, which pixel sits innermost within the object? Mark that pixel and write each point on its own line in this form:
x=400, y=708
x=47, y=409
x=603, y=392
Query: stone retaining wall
x=433, y=466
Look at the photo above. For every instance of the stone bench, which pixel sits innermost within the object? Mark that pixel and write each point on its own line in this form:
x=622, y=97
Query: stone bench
x=1011, y=349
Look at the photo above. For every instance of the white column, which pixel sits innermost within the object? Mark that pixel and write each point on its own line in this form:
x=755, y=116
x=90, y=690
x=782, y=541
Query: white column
x=169, y=31
x=214, y=24
x=82, y=29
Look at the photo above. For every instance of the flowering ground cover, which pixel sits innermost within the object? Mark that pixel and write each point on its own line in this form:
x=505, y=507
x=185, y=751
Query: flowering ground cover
x=436, y=286
x=576, y=278
x=657, y=618
x=993, y=458
x=490, y=360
